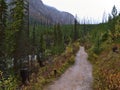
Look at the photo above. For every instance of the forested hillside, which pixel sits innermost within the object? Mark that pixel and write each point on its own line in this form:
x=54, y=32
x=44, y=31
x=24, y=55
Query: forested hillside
x=29, y=44
x=38, y=44
x=48, y=15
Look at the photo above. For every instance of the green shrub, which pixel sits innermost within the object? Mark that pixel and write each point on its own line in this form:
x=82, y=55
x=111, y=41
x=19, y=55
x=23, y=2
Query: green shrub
x=9, y=83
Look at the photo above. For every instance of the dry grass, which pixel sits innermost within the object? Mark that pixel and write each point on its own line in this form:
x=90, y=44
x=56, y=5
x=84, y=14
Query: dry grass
x=106, y=69
x=60, y=63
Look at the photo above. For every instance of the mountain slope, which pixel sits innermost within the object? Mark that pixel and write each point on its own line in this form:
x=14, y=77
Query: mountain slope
x=47, y=14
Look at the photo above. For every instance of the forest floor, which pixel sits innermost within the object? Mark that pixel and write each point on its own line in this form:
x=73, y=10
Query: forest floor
x=77, y=77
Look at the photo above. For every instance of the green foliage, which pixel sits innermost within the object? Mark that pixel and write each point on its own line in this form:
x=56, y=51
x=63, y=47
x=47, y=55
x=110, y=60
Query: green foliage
x=53, y=38
x=105, y=62
x=75, y=30
x=114, y=33
x=58, y=39
x=117, y=29
x=18, y=28
x=114, y=25
x=105, y=70
x=3, y=19
x=13, y=38
x=60, y=64
x=9, y=42
x=114, y=11
x=8, y=84
x=104, y=36
x=45, y=39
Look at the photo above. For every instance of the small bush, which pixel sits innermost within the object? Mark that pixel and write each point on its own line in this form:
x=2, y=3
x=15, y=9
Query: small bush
x=106, y=70
x=9, y=83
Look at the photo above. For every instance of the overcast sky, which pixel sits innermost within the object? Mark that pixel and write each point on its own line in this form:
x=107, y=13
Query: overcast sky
x=92, y=9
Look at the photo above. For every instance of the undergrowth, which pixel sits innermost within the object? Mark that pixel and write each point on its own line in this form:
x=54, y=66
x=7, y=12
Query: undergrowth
x=9, y=83
x=106, y=71
x=60, y=63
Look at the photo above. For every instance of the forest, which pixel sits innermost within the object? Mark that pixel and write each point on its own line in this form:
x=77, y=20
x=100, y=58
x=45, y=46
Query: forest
x=34, y=53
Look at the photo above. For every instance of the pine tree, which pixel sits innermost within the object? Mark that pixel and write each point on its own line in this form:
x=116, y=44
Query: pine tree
x=117, y=28
x=3, y=17
x=20, y=30
x=114, y=11
x=55, y=35
x=42, y=44
x=33, y=35
x=112, y=22
x=75, y=30
x=58, y=38
x=34, y=41
x=60, y=41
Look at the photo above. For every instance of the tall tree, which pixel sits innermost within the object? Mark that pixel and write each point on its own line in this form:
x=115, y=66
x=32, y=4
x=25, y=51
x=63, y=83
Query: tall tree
x=34, y=38
x=117, y=28
x=3, y=17
x=58, y=38
x=112, y=22
x=18, y=25
x=114, y=11
x=75, y=30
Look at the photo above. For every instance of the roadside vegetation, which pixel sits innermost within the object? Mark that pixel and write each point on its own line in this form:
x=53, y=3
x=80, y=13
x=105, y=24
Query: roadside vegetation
x=104, y=54
x=55, y=69
x=55, y=46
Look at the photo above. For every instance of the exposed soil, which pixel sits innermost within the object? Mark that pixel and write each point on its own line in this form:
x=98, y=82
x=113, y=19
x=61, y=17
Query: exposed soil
x=77, y=77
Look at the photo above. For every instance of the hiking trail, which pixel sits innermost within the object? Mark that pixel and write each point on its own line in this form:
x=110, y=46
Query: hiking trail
x=77, y=77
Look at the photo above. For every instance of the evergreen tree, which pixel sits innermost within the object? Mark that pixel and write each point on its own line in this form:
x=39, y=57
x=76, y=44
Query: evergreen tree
x=58, y=38
x=114, y=11
x=112, y=22
x=34, y=38
x=117, y=28
x=59, y=35
x=33, y=35
x=3, y=18
x=42, y=44
x=20, y=32
x=75, y=30
x=55, y=35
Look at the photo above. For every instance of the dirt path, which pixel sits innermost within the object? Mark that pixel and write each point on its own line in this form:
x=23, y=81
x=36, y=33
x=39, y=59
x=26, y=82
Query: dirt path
x=77, y=77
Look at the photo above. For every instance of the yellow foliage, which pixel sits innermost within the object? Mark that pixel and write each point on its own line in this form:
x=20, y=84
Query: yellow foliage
x=106, y=70
x=69, y=49
x=60, y=63
x=95, y=55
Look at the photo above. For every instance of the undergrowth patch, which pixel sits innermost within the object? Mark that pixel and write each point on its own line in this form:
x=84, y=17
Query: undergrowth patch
x=60, y=63
x=106, y=71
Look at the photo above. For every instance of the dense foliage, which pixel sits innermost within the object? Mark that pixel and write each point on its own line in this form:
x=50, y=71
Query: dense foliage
x=103, y=56
x=21, y=36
